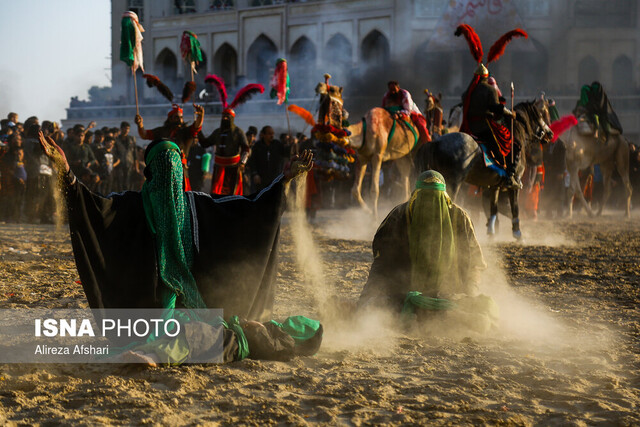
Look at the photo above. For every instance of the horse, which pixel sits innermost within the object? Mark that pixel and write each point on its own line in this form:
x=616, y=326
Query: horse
x=584, y=150
x=373, y=144
x=459, y=159
x=455, y=119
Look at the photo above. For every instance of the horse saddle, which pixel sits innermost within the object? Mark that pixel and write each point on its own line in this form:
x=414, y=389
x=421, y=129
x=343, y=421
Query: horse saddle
x=489, y=160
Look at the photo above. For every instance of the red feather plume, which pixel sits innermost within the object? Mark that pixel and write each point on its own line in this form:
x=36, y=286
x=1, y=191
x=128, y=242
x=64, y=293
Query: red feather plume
x=497, y=49
x=561, y=125
x=188, y=91
x=305, y=114
x=246, y=93
x=472, y=39
x=218, y=82
x=153, y=81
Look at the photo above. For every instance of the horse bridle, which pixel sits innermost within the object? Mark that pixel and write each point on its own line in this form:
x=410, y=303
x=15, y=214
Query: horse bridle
x=543, y=133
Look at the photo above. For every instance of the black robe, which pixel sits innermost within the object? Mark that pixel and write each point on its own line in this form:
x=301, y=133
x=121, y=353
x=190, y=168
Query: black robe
x=235, y=259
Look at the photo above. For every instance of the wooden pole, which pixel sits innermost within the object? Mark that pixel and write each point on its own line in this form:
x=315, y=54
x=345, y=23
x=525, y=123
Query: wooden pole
x=135, y=88
x=512, y=120
x=288, y=124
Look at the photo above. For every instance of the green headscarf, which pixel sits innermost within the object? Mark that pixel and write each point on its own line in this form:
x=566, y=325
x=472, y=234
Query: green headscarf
x=431, y=237
x=169, y=218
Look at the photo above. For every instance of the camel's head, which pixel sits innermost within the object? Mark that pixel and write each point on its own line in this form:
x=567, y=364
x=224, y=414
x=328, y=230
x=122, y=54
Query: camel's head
x=321, y=89
x=333, y=91
x=432, y=100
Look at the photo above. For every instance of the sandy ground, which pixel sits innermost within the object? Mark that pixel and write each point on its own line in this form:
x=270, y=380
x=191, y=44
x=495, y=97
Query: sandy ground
x=567, y=350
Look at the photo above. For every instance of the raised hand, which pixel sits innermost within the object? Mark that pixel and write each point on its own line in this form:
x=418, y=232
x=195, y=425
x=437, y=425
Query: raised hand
x=199, y=109
x=298, y=165
x=54, y=152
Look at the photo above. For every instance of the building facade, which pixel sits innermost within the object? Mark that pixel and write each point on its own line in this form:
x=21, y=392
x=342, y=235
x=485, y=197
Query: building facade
x=364, y=43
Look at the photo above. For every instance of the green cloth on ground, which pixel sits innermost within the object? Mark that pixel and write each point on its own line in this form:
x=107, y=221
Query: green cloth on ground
x=431, y=236
x=169, y=218
x=300, y=328
x=243, y=344
x=415, y=300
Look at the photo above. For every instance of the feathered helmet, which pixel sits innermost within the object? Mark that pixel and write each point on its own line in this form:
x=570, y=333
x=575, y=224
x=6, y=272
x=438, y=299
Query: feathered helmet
x=496, y=50
x=241, y=97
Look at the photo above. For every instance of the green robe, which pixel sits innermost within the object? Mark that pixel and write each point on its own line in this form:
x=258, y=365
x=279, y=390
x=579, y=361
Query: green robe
x=390, y=275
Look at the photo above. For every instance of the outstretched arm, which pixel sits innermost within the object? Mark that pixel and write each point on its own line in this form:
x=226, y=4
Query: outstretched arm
x=298, y=165
x=54, y=152
x=197, y=124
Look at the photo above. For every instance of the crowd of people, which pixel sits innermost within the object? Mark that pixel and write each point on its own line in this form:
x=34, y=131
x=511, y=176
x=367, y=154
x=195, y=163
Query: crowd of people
x=111, y=159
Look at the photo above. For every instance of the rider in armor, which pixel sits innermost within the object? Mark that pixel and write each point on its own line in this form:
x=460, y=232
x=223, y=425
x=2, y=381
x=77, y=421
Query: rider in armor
x=484, y=113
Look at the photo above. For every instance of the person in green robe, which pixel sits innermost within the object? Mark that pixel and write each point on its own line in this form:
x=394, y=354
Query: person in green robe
x=163, y=248
x=425, y=252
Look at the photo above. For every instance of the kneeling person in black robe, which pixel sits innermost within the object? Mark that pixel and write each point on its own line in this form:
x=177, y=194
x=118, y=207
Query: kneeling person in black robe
x=166, y=248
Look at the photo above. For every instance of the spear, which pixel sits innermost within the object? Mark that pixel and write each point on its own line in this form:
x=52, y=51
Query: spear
x=512, y=120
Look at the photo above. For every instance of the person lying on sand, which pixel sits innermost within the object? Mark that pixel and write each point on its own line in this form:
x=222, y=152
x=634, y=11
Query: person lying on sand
x=426, y=254
x=169, y=249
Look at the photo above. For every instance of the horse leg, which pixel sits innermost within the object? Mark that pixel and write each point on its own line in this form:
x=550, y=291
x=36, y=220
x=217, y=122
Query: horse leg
x=515, y=213
x=376, y=165
x=356, y=190
x=492, y=193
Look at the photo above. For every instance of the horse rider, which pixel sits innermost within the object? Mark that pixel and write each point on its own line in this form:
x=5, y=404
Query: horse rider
x=595, y=105
x=486, y=118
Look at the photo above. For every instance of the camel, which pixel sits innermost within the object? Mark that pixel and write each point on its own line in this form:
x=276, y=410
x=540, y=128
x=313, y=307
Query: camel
x=584, y=150
x=374, y=147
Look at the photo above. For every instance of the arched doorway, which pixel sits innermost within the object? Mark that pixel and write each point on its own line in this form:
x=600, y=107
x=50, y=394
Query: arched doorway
x=166, y=68
x=261, y=60
x=588, y=71
x=375, y=50
x=302, y=68
x=338, y=58
x=622, y=83
x=225, y=64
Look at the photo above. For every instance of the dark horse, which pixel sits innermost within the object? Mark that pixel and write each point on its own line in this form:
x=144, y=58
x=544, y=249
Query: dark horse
x=459, y=159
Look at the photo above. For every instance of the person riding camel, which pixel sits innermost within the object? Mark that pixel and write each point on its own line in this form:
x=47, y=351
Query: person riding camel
x=484, y=115
x=399, y=102
x=595, y=105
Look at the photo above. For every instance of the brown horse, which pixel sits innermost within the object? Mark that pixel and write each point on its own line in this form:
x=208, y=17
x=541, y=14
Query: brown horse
x=585, y=150
x=374, y=147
